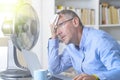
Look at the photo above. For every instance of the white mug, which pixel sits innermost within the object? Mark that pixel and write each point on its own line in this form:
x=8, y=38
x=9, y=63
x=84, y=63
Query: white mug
x=40, y=74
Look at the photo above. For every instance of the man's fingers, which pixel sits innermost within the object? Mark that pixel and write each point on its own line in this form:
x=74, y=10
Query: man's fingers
x=84, y=77
x=79, y=77
x=75, y=77
x=56, y=19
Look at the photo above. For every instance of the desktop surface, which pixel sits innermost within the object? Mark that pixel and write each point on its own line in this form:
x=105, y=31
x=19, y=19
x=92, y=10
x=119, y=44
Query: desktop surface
x=55, y=77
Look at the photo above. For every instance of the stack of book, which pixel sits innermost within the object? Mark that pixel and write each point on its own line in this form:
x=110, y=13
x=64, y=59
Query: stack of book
x=86, y=15
x=109, y=14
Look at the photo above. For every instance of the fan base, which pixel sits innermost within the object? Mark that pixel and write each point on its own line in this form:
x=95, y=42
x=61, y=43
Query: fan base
x=15, y=73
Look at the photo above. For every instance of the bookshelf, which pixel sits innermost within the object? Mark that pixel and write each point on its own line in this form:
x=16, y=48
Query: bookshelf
x=114, y=26
x=81, y=5
x=76, y=5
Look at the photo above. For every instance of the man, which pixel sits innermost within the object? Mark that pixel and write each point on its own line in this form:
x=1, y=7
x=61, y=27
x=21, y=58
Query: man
x=94, y=54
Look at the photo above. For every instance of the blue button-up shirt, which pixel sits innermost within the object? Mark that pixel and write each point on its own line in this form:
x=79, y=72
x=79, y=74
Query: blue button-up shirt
x=98, y=53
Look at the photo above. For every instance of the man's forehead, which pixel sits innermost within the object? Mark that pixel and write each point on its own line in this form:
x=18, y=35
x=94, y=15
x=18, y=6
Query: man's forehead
x=61, y=18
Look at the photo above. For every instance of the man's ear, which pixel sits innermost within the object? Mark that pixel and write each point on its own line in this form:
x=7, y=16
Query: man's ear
x=75, y=21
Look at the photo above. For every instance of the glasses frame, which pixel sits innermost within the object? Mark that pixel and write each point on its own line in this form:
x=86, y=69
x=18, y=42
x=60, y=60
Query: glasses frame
x=60, y=24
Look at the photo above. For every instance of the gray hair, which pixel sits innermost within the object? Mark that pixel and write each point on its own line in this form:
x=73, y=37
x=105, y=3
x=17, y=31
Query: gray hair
x=70, y=14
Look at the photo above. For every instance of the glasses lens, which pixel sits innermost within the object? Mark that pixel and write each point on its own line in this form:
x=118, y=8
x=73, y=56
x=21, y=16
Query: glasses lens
x=62, y=23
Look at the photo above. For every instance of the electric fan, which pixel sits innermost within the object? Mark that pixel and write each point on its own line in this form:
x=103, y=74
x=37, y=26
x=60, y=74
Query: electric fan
x=24, y=35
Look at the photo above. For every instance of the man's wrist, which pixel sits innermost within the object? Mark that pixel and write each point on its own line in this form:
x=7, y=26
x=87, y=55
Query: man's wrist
x=53, y=37
x=96, y=76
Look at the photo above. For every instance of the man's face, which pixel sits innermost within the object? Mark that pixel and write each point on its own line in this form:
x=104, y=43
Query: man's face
x=65, y=29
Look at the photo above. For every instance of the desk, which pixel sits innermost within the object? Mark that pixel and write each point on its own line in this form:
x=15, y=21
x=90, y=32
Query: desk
x=17, y=79
x=57, y=76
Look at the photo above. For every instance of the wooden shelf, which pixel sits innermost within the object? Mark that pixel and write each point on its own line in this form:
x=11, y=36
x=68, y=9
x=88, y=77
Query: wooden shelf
x=110, y=25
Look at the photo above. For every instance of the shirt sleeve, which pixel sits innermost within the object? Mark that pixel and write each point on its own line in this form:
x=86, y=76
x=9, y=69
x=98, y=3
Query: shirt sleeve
x=57, y=63
x=110, y=56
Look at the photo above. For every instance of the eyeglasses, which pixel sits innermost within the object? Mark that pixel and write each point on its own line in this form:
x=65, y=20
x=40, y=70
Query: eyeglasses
x=62, y=23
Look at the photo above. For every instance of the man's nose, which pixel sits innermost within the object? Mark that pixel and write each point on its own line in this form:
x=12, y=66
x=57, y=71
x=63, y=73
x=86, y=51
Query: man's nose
x=59, y=31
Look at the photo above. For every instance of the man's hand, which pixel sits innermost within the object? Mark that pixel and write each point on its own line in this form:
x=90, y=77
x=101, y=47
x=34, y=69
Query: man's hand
x=85, y=77
x=53, y=26
x=53, y=31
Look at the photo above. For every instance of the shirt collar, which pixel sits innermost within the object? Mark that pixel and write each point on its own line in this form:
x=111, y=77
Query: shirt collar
x=83, y=38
